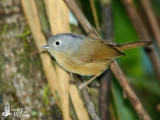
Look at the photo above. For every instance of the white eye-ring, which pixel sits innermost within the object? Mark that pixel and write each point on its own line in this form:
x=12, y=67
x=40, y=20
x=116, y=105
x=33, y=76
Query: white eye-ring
x=58, y=43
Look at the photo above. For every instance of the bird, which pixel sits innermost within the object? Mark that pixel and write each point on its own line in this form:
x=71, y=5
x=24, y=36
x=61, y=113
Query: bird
x=6, y=110
x=84, y=55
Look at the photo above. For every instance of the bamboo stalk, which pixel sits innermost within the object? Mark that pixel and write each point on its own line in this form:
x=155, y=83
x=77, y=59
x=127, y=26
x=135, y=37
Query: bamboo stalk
x=31, y=14
x=58, y=14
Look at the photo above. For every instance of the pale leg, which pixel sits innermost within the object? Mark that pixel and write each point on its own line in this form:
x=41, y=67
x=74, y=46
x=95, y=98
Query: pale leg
x=88, y=82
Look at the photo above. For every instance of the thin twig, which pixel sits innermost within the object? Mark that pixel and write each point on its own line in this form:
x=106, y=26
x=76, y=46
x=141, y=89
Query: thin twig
x=92, y=112
x=95, y=15
x=78, y=103
x=152, y=20
x=107, y=21
x=105, y=82
x=143, y=34
x=114, y=67
x=88, y=102
x=90, y=105
x=129, y=92
x=104, y=96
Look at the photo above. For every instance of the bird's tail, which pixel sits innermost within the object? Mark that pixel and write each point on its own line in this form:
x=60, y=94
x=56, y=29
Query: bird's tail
x=132, y=45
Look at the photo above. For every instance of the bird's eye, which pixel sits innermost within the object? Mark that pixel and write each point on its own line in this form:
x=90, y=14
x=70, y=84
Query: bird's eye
x=57, y=43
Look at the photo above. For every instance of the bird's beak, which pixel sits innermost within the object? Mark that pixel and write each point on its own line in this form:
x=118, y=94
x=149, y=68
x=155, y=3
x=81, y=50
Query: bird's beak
x=45, y=46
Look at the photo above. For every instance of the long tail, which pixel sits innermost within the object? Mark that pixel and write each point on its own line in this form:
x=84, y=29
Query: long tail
x=132, y=45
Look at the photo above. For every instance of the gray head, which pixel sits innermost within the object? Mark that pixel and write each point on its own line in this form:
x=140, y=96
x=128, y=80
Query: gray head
x=63, y=42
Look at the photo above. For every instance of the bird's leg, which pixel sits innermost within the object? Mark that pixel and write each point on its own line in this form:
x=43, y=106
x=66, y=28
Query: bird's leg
x=88, y=82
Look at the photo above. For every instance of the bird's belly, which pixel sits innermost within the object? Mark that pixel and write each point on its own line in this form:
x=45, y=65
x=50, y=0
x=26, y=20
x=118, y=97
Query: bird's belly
x=86, y=69
x=89, y=69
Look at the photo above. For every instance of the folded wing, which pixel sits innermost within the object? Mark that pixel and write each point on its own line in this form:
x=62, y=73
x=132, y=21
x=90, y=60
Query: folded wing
x=93, y=50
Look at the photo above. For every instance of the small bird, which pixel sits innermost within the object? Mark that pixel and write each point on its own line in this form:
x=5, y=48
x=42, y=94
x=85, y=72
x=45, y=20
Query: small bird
x=6, y=110
x=85, y=55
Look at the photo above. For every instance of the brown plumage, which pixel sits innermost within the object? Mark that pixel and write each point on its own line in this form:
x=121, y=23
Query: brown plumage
x=84, y=55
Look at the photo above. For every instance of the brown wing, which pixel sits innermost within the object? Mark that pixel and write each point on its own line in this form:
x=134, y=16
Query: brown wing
x=94, y=50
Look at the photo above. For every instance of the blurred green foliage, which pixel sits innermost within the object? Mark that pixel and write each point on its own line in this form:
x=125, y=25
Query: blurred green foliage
x=155, y=5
